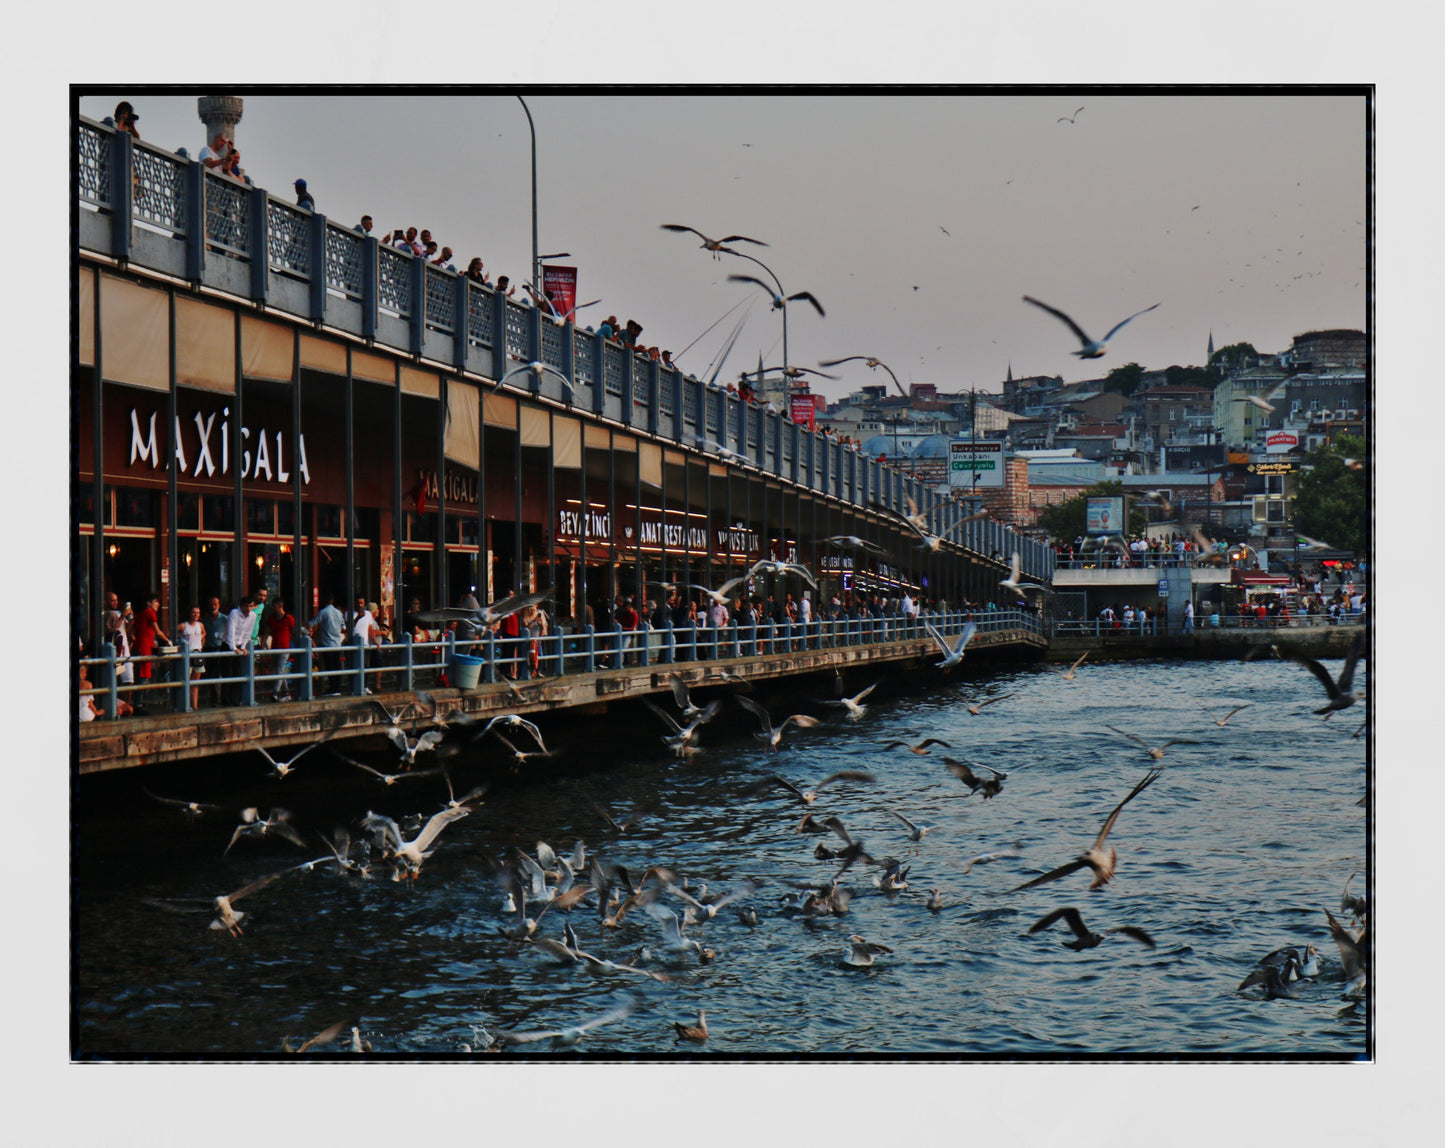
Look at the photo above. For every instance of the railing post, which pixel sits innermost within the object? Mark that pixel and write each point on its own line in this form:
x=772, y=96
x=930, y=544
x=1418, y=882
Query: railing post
x=358, y=687
x=308, y=661
x=248, y=687
x=499, y=335
x=260, y=249
x=646, y=643
x=561, y=655
x=112, y=682
x=318, y=266
x=692, y=641
x=669, y=648
x=489, y=669
x=589, y=648
x=185, y=683
x=410, y=661
x=461, y=302
x=194, y=219
x=418, y=304
x=617, y=644
x=122, y=194
x=370, y=292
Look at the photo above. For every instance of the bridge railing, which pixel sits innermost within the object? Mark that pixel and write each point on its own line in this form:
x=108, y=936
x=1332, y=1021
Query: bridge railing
x=182, y=679
x=150, y=208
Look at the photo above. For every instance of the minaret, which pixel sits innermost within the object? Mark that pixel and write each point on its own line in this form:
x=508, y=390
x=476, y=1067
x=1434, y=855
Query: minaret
x=1209, y=354
x=219, y=114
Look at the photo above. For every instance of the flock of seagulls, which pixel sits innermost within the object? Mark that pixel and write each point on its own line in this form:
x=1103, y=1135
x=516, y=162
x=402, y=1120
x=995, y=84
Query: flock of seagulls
x=677, y=917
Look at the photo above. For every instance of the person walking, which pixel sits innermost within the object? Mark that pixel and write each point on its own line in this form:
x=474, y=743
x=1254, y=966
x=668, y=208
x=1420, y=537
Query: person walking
x=1189, y=617
x=281, y=629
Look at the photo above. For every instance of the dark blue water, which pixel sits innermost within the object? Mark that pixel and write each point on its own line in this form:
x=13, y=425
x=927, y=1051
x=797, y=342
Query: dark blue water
x=1233, y=852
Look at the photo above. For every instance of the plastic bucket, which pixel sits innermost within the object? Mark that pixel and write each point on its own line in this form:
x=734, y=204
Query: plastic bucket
x=466, y=670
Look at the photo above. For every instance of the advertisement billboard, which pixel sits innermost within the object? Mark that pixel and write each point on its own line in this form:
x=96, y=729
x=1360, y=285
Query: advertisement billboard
x=804, y=410
x=1280, y=441
x=1104, y=515
x=972, y=463
x=560, y=284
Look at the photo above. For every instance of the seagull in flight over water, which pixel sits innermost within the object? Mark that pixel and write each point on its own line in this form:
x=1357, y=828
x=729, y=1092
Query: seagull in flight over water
x=1342, y=696
x=951, y=655
x=1092, y=349
x=713, y=245
x=1083, y=937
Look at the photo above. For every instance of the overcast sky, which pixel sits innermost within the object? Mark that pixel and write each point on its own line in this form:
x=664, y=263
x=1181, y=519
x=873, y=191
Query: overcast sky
x=918, y=222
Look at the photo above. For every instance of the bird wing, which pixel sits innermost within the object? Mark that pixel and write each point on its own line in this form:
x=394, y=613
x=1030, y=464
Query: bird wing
x=750, y=279
x=259, y=883
x=1057, y=314
x=937, y=637
x=1149, y=779
x=806, y=295
x=1070, y=915
x=1347, y=675
x=436, y=824
x=1116, y=326
x=447, y=614
x=856, y=698
x=1129, y=736
x=679, y=691
x=396, y=737
x=325, y=1036
x=960, y=771
x=963, y=638
x=846, y=775
x=626, y=1008
x=665, y=716
x=684, y=227
x=741, y=239
x=761, y=714
x=1136, y=934
x=802, y=721
x=990, y=701
x=284, y=830
x=788, y=785
x=1178, y=741
x=516, y=602
x=1320, y=672
x=839, y=828
x=912, y=827
x=926, y=742
x=1052, y=875
x=1013, y=572
x=1082, y=656
x=835, y=362
x=429, y=740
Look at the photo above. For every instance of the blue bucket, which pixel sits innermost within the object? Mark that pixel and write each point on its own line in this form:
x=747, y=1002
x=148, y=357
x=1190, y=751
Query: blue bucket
x=466, y=670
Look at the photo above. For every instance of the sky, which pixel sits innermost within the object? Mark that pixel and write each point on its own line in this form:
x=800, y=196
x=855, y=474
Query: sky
x=918, y=222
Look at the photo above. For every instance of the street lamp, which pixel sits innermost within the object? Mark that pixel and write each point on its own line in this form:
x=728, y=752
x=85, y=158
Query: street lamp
x=780, y=301
x=536, y=260
x=873, y=364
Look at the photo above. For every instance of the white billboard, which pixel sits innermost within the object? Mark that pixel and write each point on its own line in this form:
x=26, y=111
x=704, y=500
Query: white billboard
x=973, y=464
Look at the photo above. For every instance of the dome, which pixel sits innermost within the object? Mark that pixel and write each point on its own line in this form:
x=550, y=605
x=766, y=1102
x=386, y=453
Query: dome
x=934, y=446
x=878, y=444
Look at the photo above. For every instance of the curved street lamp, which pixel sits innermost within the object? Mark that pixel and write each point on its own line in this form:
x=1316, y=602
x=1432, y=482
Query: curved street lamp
x=873, y=364
x=780, y=300
x=536, y=261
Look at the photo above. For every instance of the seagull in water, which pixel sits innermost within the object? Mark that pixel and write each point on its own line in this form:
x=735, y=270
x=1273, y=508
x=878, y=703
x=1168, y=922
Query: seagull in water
x=1341, y=695
x=412, y=853
x=860, y=954
x=1070, y=675
x=772, y=735
x=565, y=1037
x=1157, y=753
x=1092, y=349
x=1083, y=938
x=951, y=655
x=1102, y=864
x=694, y=1032
x=974, y=708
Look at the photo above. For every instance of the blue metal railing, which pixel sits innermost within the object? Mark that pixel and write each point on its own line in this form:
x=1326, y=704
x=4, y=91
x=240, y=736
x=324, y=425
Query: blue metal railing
x=306, y=672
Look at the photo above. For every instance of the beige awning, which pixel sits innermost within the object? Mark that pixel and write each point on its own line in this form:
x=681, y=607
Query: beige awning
x=135, y=334
x=461, y=443
x=205, y=346
x=268, y=350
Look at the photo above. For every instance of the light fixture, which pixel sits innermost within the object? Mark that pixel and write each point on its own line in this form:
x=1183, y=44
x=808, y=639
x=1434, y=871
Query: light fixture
x=260, y=561
x=285, y=548
x=113, y=550
x=188, y=558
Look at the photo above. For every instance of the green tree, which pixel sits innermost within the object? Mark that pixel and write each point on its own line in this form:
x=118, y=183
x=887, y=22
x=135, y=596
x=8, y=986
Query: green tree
x=1067, y=520
x=1177, y=376
x=1235, y=355
x=1124, y=379
x=1332, y=500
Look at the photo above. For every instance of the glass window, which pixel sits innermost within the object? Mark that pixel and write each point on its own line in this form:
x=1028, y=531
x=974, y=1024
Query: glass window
x=218, y=512
x=85, y=504
x=467, y=531
x=286, y=517
x=188, y=512
x=135, y=507
x=260, y=516
x=328, y=521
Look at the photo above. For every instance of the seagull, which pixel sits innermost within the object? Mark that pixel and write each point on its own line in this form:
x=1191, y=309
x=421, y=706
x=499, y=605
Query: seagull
x=951, y=656
x=713, y=245
x=390, y=778
x=699, y=912
x=779, y=301
x=727, y=454
x=618, y=827
x=524, y=756
x=916, y=830
x=860, y=953
x=282, y=768
x=682, y=697
x=1157, y=753
x=1084, y=939
x=807, y=797
x=358, y=1042
x=1012, y=581
x=672, y=939
x=1091, y=349
x=1102, y=864
x=768, y=566
x=1069, y=676
x=410, y=747
x=990, y=787
x=894, y=878
x=930, y=541
x=935, y=900
x=771, y=735
x=485, y=616
x=1275, y=978
x=1069, y=119
x=277, y=820
x=472, y=798
x=1354, y=947
x=921, y=748
x=1288, y=964
x=973, y=709
x=1341, y=695
x=873, y=365
x=538, y=368
x=325, y=1036
x=415, y=851
x=853, y=542
x=722, y=595
x=1225, y=719
x=188, y=809
x=1262, y=401
x=853, y=851
x=682, y=738
x=854, y=705
x=395, y=716
x=565, y=1037
x=987, y=858
x=1354, y=905
x=695, y=1032
x=223, y=915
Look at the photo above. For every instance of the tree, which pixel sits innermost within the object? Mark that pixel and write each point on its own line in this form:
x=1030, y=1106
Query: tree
x=1235, y=355
x=1069, y=519
x=1191, y=377
x=1124, y=379
x=1332, y=501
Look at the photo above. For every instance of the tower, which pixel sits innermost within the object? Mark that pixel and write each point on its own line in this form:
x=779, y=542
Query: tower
x=1209, y=354
x=219, y=114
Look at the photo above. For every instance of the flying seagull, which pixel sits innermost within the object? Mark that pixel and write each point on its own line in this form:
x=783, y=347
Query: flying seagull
x=921, y=748
x=1012, y=581
x=486, y=615
x=779, y=301
x=974, y=708
x=770, y=734
x=951, y=655
x=565, y=1037
x=1225, y=719
x=807, y=797
x=1156, y=752
x=853, y=542
x=1083, y=937
x=1091, y=348
x=988, y=786
x=854, y=705
x=713, y=245
x=537, y=368
x=1070, y=119
x=860, y=953
x=1341, y=695
x=1102, y=864
x=281, y=768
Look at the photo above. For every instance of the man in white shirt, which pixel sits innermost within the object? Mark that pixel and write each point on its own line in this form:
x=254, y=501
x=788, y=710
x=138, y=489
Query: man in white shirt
x=805, y=610
x=238, y=640
x=214, y=155
x=910, y=608
x=718, y=615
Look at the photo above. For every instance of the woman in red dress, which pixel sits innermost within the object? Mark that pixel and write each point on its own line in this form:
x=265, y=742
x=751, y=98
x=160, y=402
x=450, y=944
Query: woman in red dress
x=147, y=629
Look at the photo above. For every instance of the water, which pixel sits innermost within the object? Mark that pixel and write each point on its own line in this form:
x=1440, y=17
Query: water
x=1230, y=854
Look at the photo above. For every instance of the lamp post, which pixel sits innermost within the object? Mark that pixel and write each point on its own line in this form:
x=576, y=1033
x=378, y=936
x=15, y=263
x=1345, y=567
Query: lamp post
x=781, y=295
x=536, y=261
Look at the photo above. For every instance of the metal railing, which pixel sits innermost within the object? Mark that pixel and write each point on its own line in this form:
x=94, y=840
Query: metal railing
x=307, y=671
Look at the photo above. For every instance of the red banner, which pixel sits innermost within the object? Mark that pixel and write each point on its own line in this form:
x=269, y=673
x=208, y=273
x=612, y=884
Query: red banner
x=804, y=410
x=560, y=285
